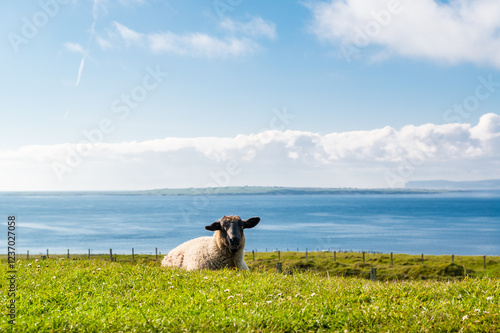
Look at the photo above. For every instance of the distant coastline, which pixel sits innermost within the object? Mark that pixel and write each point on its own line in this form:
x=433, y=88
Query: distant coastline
x=239, y=190
x=489, y=184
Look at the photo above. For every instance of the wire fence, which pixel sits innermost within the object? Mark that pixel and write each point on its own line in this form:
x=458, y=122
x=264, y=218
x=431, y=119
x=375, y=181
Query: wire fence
x=367, y=264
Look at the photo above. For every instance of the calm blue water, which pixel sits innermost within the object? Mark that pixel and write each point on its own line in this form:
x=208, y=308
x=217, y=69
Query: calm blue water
x=458, y=223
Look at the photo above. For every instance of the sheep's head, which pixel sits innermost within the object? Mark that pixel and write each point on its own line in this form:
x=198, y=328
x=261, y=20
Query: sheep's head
x=231, y=230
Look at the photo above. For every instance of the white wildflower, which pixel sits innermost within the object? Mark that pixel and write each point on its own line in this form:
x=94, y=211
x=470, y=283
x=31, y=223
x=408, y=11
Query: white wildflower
x=465, y=317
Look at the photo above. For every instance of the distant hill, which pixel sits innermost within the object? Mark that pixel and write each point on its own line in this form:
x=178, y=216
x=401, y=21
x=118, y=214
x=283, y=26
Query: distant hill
x=492, y=184
x=273, y=190
x=235, y=190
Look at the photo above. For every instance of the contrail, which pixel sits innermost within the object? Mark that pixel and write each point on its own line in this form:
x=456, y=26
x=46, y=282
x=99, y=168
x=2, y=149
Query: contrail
x=95, y=15
x=80, y=70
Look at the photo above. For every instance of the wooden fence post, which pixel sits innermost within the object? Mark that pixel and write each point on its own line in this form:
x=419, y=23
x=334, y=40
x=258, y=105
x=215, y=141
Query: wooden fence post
x=111, y=255
x=364, y=257
x=133, y=257
x=89, y=253
x=278, y=267
x=28, y=255
x=253, y=255
x=156, y=251
x=334, y=256
x=68, y=253
x=306, y=254
x=452, y=258
x=373, y=274
x=279, y=255
x=47, y=253
x=422, y=258
x=392, y=261
x=484, y=262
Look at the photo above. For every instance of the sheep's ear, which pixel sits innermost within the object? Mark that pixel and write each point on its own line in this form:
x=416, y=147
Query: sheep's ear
x=251, y=222
x=214, y=226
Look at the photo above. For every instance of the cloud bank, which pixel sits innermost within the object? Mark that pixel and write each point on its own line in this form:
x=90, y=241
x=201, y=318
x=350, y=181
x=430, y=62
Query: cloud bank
x=384, y=157
x=452, y=32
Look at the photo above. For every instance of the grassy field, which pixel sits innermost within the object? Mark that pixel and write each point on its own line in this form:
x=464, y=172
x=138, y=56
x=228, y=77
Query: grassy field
x=404, y=266
x=82, y=295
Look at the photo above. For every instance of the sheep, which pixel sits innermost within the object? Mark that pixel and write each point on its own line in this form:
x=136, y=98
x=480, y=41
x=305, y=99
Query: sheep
x=225, y=248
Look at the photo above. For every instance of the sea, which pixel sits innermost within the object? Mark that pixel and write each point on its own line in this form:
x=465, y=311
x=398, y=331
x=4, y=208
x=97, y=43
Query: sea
x=460, y=223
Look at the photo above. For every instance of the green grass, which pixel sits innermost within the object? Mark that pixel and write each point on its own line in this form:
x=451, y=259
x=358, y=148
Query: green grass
x=100, y=296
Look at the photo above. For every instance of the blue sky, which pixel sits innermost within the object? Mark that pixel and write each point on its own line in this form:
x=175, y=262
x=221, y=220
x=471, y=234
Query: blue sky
x=355, y=78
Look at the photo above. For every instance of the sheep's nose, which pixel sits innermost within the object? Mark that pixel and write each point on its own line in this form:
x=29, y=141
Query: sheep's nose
x=234, y=241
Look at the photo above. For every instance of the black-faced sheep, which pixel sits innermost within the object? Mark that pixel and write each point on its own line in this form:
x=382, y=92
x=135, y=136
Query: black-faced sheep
x=225, y=248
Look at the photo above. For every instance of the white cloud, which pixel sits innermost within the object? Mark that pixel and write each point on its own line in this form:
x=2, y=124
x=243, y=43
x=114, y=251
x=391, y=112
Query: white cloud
x=74, y=47
x=129, y=35
x=256, y=27
x=104, y=43
x=288, y=158
x=200, y=45
x=197, y=44
x=452, y=32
